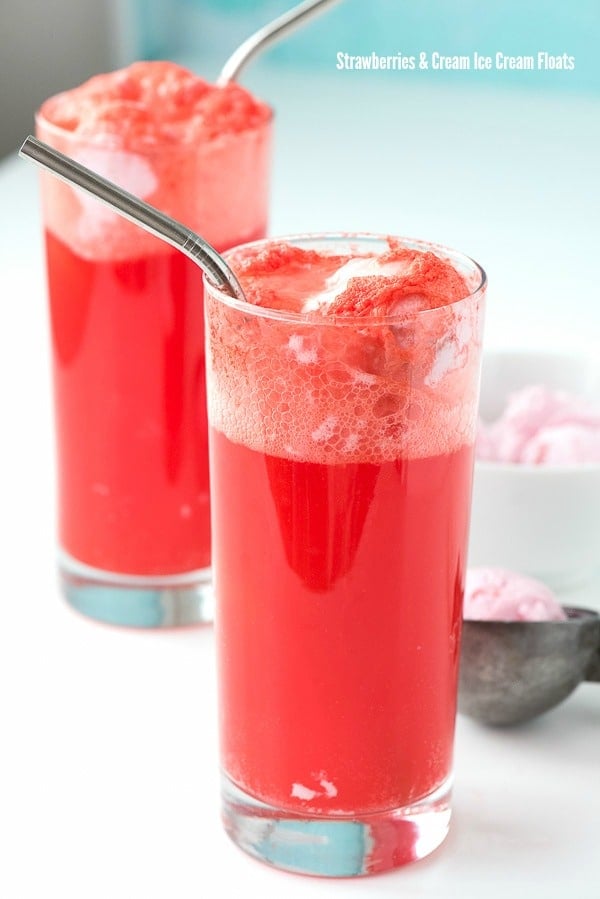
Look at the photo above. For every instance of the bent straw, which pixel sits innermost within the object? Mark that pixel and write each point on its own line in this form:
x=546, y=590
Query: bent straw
x=267, y=35
x=138, y=212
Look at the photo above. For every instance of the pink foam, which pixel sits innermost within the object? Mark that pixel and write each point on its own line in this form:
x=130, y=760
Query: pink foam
x=198, y=152
x=153, y=104
x=339, y=381
x=400, y=280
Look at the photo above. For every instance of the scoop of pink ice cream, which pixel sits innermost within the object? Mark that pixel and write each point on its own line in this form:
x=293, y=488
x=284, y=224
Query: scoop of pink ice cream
x=563, y=445
x=543, y=427
x=496, y=594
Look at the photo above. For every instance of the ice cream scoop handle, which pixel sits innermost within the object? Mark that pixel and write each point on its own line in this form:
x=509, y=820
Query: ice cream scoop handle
x=593, y=670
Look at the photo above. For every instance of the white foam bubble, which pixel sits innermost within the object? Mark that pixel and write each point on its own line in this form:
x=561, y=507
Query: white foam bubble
x=325, y=430
x=445, y=360
x=363, y=377
x=304, y=351
x=452, y=351
x=415, y=399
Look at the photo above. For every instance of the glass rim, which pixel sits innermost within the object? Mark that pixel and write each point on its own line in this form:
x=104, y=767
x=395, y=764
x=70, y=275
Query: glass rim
x=147, y=149
x=314, y=318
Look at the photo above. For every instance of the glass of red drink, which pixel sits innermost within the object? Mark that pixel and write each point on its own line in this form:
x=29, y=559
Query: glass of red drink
x=342, y=407
x=127, y=329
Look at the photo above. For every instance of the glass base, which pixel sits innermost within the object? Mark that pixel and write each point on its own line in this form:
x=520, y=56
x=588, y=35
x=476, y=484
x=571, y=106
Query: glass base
x=133, y=601
x=336, y=846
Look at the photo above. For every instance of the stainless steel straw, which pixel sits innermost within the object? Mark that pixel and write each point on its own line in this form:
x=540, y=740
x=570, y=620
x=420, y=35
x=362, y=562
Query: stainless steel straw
x=136, y=211
x=267, y=35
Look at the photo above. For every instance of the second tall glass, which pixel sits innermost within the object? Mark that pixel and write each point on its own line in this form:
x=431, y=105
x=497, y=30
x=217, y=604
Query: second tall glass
x=128, y=355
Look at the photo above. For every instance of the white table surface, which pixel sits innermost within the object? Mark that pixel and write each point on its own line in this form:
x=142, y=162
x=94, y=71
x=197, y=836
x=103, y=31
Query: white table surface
x=108, y=774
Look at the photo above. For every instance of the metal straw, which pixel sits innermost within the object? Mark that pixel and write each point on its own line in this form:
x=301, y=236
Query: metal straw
x=265, y=36
x=136, y=211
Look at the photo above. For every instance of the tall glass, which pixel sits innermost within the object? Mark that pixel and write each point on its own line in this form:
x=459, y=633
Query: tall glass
x=127, y=328
x=341, y=464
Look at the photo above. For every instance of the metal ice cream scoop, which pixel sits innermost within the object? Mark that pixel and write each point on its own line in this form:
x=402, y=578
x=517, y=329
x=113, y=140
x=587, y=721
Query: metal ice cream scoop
x=512, y=671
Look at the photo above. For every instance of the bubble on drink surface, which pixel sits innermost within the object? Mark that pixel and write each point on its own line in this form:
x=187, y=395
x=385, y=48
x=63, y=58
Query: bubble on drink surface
x=325, y=430
x=347, y=382
x=351, y=442
x=363, y=377
x=304, y=350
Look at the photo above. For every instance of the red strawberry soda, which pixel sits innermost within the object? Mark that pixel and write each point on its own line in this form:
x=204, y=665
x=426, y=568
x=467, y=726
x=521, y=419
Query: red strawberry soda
x=342, y=402
x=127, y=317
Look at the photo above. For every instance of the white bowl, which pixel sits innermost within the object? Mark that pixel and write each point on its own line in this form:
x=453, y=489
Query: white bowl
x=541, y=520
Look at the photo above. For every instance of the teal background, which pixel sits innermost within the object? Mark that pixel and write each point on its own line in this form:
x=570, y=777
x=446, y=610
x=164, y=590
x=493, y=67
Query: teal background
x=204, y=32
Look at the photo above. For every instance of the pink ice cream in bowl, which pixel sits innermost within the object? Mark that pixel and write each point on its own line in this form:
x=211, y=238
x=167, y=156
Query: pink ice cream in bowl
x=536, y=489
x=522, y=651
